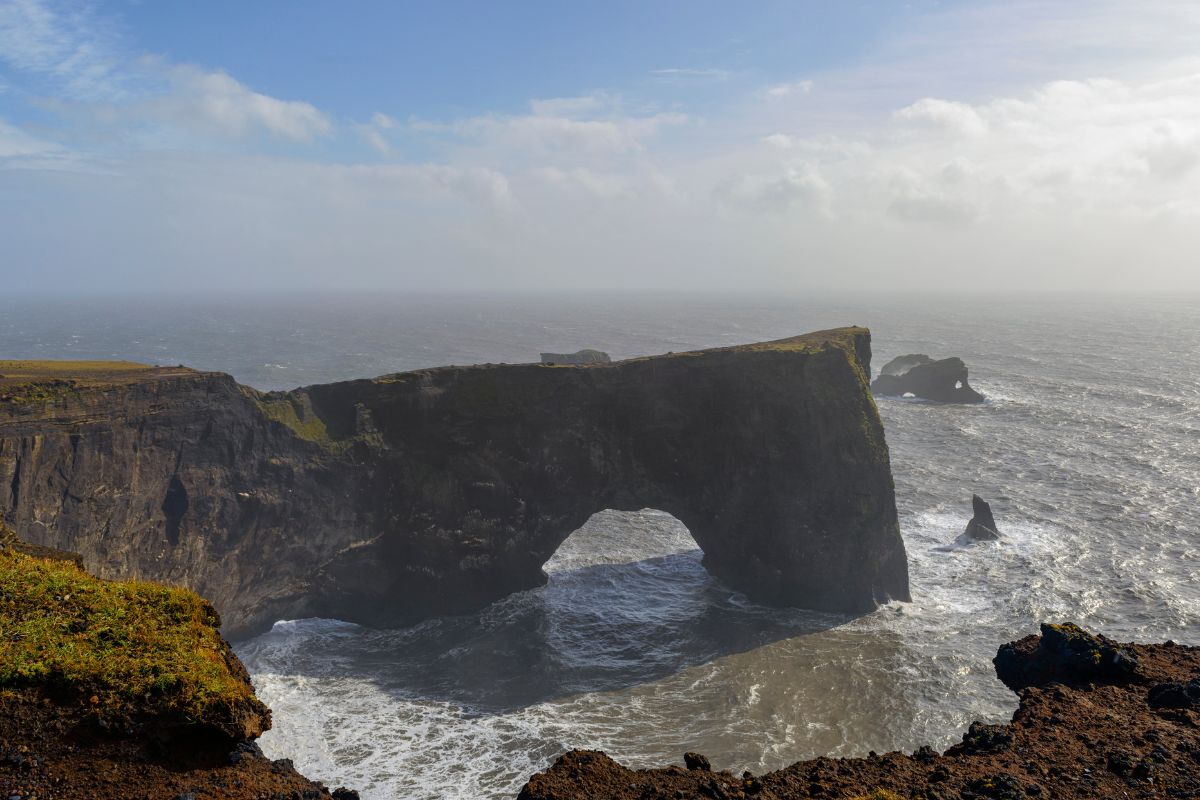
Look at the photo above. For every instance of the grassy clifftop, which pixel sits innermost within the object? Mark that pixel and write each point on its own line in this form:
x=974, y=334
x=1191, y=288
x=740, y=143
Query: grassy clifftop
x=127, y=651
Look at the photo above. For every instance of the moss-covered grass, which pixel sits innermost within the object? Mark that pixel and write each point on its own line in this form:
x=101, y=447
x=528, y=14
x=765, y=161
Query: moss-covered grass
x=27, y=393
x=27, y=382
x=285, y=410
x=31, y=369
x=122, y=649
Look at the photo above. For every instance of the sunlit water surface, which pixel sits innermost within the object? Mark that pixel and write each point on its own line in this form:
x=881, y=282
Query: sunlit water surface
x=1088, y=447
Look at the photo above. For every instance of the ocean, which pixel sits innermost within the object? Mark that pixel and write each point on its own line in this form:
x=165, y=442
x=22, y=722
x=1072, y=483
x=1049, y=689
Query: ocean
x=1088, y=448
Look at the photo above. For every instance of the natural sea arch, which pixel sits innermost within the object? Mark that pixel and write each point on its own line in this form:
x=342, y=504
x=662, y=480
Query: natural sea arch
x=394, y=499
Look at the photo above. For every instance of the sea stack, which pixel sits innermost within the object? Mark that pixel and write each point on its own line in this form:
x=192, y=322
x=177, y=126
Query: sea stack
x=944, y=381
x=982, y=527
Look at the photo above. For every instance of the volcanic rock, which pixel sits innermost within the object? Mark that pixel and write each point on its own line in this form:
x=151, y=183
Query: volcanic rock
x=390, y=500
x=944, y=381
x=168, y=712
x=982, y=527
x=1083, y=730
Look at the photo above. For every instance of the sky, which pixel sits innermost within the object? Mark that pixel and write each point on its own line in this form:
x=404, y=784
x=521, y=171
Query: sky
x=276, y=146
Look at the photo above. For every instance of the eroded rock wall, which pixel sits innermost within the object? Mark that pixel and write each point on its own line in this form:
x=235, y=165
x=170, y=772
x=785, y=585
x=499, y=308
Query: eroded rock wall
x=389, y=500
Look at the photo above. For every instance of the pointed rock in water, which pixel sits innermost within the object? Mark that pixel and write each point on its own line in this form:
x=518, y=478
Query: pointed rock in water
x=982, y=527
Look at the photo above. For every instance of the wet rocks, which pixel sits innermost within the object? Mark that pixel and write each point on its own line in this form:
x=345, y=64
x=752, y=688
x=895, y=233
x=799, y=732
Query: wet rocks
x=982, y=527
x=1085, y=732
x=695, y=761
x=944, y=381
x=1064, y=654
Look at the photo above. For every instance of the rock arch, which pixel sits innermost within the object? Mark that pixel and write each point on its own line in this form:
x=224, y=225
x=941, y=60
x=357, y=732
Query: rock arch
x=389, y=500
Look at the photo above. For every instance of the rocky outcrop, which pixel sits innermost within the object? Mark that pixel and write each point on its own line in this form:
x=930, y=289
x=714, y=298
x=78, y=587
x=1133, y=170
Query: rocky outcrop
x=982, y=527
x=944, y=381
x=577, y=358
x=1089, y=725
x=120, y=690
x=385, y=501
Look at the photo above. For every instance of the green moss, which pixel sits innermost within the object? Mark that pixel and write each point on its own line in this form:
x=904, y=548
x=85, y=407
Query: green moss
x=122, y=649
x=37, y=392
x=300, y=417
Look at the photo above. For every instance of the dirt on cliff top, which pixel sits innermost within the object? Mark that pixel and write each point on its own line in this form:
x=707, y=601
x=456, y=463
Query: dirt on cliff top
x=123, y=689
x=16, y=373
x=1096, y=720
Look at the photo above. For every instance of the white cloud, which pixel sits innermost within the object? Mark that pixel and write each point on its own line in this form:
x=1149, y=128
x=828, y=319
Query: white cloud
x=798, y=186
x=790, y=89
x=573, y=106
x=577, y=127
x=74, y=48
x=213, y=102
x=956, y=118
x=923, y=165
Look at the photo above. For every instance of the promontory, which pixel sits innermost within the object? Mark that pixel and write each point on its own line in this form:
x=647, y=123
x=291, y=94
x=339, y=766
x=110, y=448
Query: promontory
x=388, y=500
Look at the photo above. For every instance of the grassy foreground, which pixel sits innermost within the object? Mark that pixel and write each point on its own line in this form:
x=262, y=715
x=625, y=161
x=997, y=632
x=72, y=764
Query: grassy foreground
x=125, y=650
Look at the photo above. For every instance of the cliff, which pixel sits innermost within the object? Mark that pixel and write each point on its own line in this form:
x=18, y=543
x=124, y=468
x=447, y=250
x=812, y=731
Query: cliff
x=1096, y=719
x=388, y=500
x=123, y=689
x=578, y=357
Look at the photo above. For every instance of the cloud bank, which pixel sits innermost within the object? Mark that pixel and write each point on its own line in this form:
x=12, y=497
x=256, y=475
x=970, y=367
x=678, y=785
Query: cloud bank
x=1086, y=176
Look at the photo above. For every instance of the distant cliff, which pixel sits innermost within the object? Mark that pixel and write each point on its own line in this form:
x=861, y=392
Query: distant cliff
x=578, y=357
x=388, y=500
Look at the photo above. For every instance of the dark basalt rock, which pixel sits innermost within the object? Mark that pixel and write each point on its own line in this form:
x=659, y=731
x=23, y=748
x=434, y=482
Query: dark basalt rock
x=1064, y=653
x=982, y=527
x=980, y=738
x=386, y=501
x=1175, y=695
x=578, y=358
x=944, y=381
x=1082, y=730
x=696, y=761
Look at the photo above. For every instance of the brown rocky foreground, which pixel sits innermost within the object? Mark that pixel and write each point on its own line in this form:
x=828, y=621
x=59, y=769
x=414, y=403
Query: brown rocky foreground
x=124, y=690
x=1096, y=719
x=50, y=750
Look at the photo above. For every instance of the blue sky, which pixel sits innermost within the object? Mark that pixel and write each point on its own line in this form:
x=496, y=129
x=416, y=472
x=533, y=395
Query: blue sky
x=772, y=145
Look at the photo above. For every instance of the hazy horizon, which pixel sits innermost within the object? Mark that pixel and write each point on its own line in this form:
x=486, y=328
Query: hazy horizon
x=788, y=147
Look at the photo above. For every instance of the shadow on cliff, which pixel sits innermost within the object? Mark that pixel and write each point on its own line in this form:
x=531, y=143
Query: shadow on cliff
x=591, y=629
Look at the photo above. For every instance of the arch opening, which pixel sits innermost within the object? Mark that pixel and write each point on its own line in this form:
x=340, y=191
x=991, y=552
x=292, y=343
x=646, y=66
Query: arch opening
x=621, y=537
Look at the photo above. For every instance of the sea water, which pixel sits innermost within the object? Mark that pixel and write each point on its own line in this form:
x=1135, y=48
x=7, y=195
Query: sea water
x=1088, y=448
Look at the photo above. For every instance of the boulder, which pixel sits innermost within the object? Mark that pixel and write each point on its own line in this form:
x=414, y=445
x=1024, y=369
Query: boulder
x=982, y=527
x=944, y=381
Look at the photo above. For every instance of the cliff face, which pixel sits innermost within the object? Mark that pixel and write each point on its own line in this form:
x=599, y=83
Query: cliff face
x=388, y=500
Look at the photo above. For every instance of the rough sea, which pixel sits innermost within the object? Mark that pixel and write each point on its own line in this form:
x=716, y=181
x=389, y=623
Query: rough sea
x=1088, y=448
